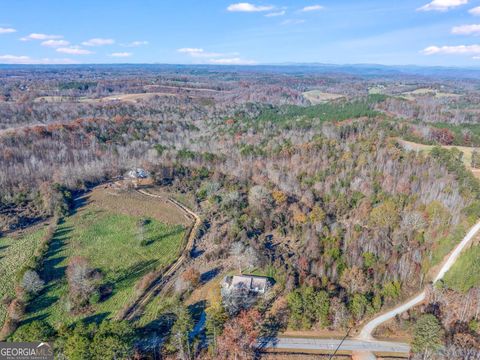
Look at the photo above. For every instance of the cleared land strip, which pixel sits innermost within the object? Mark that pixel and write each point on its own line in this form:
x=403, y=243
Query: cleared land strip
x=157, y=285
x=329, y=345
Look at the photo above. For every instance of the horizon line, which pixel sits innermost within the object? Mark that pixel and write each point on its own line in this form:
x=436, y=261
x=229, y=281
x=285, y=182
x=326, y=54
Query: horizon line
x=281, y=64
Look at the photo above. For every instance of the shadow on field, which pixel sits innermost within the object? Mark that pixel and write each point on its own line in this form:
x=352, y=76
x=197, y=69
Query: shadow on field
x=96, y=318
x=209, y=275
x=42, y=302
x=135, y=271
x=33, y=319
x=127, y=277
x=195, y=253
x=164, y=236
x=160, y=326
x=79, y=203
x=52, y=272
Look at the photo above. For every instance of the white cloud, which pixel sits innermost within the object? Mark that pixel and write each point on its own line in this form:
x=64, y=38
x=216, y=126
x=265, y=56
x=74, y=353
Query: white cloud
x=199, y=53
x=206, y=57
x=467, y=29
x=55, y=43
x=26, y=60
x=36, y=36
x=14, y=59
x=135, y=43
x=277, y=13
x=231, y=61
x=190, y=50
x=7, y=30
x=74, y=50
x=247, y=7
x=475, y=11
x=442, y=5
x=312, y=8
x=121, y=54
x=452, y=50
x=98, y=42
x=292, y=21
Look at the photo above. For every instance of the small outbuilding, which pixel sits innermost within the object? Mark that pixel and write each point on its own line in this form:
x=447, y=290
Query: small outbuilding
x=138, y=173
x=138, y=178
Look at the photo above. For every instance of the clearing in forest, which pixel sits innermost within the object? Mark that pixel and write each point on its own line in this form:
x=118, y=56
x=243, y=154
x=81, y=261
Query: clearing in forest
x=123, y=235
x=467, y=152
x=126, y=97
x=412, y=95
x=319, y=97
x=53, y=99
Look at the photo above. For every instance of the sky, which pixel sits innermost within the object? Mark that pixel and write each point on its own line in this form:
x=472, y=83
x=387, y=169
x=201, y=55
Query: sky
x=389, y=32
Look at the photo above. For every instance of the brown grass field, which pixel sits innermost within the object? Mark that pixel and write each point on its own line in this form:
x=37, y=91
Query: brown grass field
x=132, y=203
x=318, y=97
x=126, y=97
x=53, y=99
x=412, y=95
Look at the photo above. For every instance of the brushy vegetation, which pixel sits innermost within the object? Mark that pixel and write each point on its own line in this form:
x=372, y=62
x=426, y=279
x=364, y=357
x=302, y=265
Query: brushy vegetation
x=116, y=248
x=15, y=252
x=451, y=134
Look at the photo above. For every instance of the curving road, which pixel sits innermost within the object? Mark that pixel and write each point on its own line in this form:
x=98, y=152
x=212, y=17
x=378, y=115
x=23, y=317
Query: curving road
x=366, y=333
x=364, y=345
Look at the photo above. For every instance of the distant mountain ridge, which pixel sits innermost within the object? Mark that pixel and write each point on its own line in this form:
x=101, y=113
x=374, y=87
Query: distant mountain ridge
x=361, y=70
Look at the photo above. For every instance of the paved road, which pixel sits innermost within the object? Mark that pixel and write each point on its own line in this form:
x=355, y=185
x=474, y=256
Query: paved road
x=290, y=343
x=366, y=333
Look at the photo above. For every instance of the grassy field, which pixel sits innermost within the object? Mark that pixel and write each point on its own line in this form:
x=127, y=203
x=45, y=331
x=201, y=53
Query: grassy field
x=465, y=274
x=108, y=237
x=135, y=204
x=445, y=244
x=411, y=95
x=318, y=97
x=155, y=308
x=14, y=253
x=467, y=152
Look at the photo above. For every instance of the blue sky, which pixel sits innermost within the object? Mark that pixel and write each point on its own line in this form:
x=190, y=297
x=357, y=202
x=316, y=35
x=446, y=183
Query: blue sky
x=400, y=32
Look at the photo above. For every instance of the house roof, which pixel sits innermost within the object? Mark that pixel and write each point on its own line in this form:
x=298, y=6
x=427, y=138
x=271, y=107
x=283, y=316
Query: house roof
x=255, y=283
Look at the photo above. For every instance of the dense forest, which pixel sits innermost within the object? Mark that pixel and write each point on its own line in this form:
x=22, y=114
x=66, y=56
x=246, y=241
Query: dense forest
x=324, y=198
